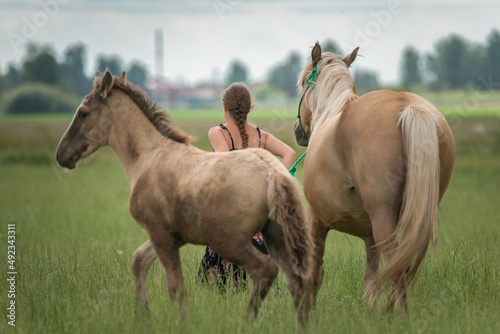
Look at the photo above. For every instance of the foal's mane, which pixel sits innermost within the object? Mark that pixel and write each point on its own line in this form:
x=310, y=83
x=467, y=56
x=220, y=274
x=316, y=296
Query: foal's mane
x=160, y=119
x=333, y=89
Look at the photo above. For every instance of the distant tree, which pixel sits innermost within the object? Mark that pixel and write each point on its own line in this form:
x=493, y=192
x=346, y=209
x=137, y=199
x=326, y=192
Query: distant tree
x=74, y=69
x=112, y=63
x=329, y=45
x=477, y=64
x=237, y=72
x=366, y=81
x=12, y=77
x=449, y=63
x=284, y=76
x=40, y=65
x=2, y=84
x=137, y=74
x=410, y=67
x=493, y=55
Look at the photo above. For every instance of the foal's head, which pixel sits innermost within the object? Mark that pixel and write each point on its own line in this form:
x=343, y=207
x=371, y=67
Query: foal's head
x=91, y=124
x=323, y=67
x=93, y=120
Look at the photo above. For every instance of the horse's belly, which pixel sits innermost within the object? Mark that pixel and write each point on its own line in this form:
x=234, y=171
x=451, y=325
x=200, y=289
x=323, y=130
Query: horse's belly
x=337, y=204
x=354, y=221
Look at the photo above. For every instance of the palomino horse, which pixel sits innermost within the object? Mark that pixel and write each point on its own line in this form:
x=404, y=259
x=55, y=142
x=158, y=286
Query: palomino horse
x=377, y=167
x=180, y=194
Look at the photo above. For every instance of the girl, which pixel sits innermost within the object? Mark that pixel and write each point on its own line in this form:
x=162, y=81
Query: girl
x=237, y=134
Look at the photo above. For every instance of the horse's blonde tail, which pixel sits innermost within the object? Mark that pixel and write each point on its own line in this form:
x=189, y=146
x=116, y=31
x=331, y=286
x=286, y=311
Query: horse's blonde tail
x=285, y=208
x=418, y=215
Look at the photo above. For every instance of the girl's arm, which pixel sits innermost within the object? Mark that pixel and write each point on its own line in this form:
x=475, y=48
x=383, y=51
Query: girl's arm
x=217, y=139
x=279, y=148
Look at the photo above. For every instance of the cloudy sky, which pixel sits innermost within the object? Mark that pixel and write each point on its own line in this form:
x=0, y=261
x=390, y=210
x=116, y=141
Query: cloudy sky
x=202, y=37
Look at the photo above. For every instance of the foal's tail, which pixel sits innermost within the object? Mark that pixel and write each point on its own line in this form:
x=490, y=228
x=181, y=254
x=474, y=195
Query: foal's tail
x=285, y=208
x=418, y=215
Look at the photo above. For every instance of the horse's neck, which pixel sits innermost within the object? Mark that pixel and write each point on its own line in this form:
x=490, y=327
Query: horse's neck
x=133, y=138
x=332, y=101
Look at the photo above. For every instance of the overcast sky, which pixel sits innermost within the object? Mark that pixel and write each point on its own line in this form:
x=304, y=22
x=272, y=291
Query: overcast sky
x=202, y=37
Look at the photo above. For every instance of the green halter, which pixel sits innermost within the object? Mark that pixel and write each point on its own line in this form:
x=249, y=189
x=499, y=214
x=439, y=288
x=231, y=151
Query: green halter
x=311, y=79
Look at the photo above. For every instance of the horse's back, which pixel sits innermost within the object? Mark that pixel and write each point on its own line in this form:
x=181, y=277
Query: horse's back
x=358, y=158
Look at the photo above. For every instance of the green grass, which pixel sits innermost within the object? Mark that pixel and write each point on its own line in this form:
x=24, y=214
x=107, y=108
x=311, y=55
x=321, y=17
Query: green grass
x=75, y=239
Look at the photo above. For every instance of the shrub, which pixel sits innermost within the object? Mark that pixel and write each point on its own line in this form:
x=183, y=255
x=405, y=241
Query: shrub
x=29, y=158
x=32, y=98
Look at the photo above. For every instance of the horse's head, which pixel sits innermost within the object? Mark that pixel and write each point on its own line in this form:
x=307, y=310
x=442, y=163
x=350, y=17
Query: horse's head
x=306, y=85
x=91, y=124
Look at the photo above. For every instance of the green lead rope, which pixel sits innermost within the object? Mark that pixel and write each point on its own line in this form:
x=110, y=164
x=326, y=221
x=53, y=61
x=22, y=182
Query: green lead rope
x=294, y=166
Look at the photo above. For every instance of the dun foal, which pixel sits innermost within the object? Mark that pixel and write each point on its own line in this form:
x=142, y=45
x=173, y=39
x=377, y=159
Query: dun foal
x=180, y=194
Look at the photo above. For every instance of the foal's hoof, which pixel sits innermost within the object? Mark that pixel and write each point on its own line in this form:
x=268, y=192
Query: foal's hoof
x=142, y=310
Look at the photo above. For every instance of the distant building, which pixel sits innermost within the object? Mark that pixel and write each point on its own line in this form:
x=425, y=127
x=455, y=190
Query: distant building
x=177, y=96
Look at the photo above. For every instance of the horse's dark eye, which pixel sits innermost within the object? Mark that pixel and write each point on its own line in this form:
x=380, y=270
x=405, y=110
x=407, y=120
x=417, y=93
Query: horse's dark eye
x=82, y=114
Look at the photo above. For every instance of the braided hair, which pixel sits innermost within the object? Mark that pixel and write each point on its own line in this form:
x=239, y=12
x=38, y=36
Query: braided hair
x=238, y=102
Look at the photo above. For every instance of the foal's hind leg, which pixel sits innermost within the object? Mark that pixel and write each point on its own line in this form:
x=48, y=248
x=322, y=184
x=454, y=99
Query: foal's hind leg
x=262, y=269
x=142, y=260
x=299, y=283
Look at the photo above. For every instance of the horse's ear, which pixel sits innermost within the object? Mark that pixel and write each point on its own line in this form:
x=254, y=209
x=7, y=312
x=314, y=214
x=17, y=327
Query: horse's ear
x=349, y=59
x=316, y=54
x=106, y=84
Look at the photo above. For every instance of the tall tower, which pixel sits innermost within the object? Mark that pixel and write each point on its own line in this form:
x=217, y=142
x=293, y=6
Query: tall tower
x=159, y=52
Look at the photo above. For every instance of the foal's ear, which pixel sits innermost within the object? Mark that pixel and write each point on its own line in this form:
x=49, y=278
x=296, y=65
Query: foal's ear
x=349, y=59
x=316, y=54
x=106, y=84
x=123, y=76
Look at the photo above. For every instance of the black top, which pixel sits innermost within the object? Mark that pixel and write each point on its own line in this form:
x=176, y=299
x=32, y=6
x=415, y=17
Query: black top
x=232, y=142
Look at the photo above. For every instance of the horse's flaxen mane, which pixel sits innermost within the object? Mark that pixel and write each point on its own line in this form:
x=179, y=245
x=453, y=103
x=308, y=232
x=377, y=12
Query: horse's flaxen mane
x=160, y=119
x=333, y=89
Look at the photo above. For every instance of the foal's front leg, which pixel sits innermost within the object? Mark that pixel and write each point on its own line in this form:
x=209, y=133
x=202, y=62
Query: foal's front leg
x=168, y=255
x=142, y=260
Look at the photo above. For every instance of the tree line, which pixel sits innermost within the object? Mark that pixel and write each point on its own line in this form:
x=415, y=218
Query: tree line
x=41, y=82
x=455, y=63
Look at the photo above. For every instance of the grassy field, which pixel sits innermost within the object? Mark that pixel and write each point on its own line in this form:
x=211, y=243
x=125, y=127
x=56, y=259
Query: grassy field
x=75, y=239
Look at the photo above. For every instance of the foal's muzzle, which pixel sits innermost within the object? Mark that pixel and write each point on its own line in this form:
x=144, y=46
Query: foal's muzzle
x=67, y=157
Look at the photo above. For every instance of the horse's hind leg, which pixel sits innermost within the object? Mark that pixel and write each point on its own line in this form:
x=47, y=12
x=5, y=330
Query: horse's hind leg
x=142, y=260
x=383, y=221
x=299, y=283
x=319, y=232
x=372, y=262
